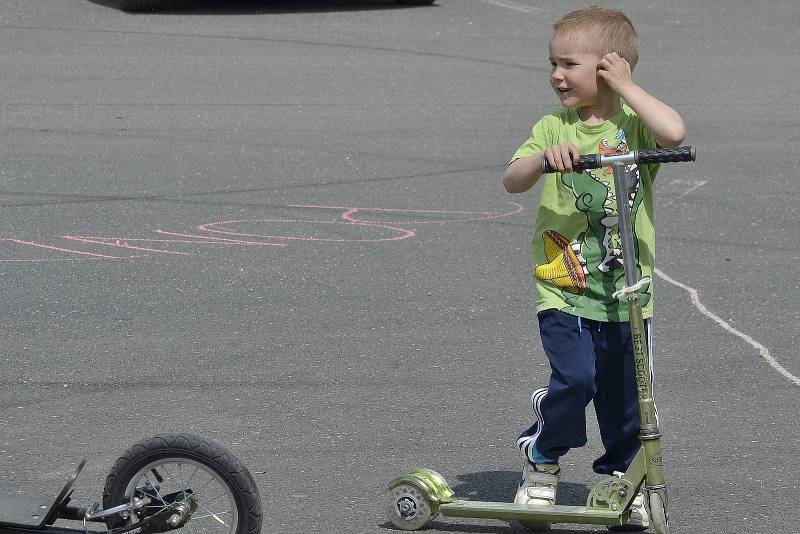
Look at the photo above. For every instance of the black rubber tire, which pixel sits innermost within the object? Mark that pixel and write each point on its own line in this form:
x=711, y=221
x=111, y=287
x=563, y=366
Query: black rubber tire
x=141, y=5
x=235, y=476
x=658, y=514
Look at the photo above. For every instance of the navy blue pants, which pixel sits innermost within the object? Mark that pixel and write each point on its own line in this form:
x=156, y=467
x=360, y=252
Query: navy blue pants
x=589, y=361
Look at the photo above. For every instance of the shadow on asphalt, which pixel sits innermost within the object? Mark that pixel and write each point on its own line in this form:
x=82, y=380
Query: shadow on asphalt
x=500, y=486
x=260, y=7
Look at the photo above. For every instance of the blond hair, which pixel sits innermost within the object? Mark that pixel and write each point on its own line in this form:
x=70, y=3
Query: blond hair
x=603, y=30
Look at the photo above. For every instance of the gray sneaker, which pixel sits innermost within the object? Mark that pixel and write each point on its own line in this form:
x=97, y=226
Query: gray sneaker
x=539, y=486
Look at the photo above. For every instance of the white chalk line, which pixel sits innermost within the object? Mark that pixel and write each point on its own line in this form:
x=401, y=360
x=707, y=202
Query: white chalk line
x=695, y=296
x=514, y=6
x=695, y=185
x=762, y=350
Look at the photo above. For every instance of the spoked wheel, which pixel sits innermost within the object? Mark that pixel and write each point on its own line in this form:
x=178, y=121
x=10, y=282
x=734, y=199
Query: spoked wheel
x=658, y=513
x=190, y=480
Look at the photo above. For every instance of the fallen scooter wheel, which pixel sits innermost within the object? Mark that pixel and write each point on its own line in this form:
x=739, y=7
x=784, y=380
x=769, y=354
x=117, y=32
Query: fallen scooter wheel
x=658, y=514
x=206, y=488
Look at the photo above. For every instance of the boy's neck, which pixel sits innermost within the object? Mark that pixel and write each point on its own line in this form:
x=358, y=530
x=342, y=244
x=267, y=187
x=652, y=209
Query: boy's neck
x=601, y=112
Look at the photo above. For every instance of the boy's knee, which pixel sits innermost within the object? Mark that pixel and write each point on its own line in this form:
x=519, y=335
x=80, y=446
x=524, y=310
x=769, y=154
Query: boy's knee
x=580, y=385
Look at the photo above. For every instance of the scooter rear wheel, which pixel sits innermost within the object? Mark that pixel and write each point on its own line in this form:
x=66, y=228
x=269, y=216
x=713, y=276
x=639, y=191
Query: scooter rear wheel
x=184, y=468
x=408, y=507
x=658, y=514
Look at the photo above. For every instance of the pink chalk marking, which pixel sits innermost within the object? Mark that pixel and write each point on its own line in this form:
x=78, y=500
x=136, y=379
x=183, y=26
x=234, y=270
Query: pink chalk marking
x=349, y=213
x=215, y=228
x=218, y=240
x=119, y=244
x=347, y=217
x=49, y=260
x=67, y=250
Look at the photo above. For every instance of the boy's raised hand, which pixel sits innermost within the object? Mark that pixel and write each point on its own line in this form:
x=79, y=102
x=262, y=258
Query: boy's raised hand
x=615, y=71
x=562, y=156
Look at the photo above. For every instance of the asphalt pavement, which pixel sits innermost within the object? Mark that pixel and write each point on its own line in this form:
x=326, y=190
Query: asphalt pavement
x=281, y=225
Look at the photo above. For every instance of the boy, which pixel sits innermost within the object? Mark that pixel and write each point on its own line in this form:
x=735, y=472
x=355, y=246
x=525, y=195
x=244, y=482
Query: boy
x=584, y=330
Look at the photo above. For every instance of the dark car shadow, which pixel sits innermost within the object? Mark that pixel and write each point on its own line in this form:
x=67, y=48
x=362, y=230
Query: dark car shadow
x=500, y=486
x=259, y=7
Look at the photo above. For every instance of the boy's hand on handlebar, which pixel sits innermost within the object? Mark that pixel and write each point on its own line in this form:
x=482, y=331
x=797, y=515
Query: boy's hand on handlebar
x=562, y=157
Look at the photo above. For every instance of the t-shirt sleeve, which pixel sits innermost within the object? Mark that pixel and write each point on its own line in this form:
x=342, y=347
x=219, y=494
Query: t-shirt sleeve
x=541, y=138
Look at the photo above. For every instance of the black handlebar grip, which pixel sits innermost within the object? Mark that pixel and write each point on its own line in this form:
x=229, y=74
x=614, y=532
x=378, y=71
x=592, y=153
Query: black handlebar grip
x=645, y=156
x=587, y=161
x=666, y=155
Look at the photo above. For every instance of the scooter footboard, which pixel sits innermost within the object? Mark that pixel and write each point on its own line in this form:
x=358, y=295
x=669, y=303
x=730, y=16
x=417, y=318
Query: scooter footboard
x=25, y=510
x=34, y=512
x=527, y=512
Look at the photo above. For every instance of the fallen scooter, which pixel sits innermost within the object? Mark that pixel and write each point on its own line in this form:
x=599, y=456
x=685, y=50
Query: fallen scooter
x=163, y=483
x=417, y=497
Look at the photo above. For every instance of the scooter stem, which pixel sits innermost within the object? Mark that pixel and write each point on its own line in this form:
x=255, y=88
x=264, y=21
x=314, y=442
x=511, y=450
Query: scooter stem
x=650, y=434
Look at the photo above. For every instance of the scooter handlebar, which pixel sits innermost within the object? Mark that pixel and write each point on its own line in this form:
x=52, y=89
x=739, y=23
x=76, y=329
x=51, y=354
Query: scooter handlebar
x=666, y=155
x=645, y=156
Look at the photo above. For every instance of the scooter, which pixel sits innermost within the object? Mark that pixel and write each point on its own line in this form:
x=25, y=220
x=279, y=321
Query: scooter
x=415, y=498
x=163, y=483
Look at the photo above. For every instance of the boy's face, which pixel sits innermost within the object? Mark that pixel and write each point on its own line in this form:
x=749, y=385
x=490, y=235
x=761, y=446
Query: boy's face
x=574, y=74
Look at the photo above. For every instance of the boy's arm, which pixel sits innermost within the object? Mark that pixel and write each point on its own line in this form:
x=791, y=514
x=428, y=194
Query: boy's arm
x=523, y=173
x=664, y=123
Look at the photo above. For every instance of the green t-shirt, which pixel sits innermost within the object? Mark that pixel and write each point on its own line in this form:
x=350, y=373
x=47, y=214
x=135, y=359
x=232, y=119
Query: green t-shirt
x=576, y=243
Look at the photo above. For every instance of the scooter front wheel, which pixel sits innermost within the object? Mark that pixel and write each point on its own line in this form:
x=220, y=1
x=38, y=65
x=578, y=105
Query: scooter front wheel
x=658, y=513
x=192, y=481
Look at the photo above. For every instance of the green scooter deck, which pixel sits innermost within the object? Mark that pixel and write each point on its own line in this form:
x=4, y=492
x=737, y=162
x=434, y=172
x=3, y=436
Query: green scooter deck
x=526, y=512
